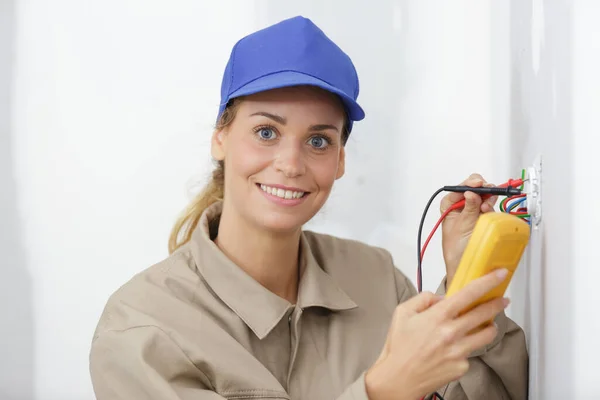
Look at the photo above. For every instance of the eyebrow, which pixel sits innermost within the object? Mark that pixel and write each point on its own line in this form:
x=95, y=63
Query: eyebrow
x=283, y=121
x=274, y=117
x=323, y=127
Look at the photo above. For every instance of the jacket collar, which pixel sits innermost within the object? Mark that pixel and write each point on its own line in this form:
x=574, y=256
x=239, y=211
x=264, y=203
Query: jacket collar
x=258, y=307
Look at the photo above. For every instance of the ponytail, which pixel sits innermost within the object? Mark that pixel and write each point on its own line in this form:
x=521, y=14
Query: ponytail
x=187, y=222
x=212, y=193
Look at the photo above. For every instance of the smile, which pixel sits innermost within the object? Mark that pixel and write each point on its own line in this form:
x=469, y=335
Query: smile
x=282, y=193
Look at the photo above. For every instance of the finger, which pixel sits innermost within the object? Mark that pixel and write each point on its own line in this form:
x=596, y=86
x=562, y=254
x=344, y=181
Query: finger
x=472, y=204
x=472, y=292
x=473, y=201
x=419, y=303
x=488, y=205
x=475, y=176
x=475, y=180
x=450, y=199
x=468, y=344
x=490, y=202
x=480, y=315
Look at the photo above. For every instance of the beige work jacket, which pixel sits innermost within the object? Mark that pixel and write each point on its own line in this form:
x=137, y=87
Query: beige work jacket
x=197, y=327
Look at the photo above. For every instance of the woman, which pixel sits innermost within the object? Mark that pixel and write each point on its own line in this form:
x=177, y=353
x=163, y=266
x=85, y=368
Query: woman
x=248, y=305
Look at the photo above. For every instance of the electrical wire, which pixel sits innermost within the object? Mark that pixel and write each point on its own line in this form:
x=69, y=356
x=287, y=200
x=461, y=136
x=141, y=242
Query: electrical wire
x=509, y=187
x=434, y=396
x=420, y=252
x=514, y=204
x=517, y=205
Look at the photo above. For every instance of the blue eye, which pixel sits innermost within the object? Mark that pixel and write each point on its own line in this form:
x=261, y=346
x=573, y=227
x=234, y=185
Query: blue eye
x=319, y=142
x=266, y=133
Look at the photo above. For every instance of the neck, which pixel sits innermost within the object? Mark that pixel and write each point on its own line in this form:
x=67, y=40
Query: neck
x=269, y=258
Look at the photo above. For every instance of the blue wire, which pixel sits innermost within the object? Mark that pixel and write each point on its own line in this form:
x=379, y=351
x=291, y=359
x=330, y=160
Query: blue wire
x=512, y=206
x=516, y=203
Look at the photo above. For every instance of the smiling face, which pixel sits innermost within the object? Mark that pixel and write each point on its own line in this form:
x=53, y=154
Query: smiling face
x=282, y=153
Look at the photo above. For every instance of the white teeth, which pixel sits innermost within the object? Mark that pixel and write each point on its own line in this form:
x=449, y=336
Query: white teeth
x=284, y=194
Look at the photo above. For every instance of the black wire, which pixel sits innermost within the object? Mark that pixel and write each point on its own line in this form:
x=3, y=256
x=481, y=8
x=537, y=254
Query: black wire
x=419, y=259
x=438, y=396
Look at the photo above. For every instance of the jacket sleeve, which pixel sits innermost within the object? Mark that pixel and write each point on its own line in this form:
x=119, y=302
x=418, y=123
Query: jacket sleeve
x=356, y=391
x=498, y=371
x=144, y=363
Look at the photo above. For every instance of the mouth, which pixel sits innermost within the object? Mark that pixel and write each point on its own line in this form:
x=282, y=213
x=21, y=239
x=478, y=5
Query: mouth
x=283, y=193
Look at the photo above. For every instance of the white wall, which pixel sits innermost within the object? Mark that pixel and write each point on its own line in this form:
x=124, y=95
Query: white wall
x=16, y=295
x=586, y=216
x=555, y=93
x=106, y=118
x=112, y=107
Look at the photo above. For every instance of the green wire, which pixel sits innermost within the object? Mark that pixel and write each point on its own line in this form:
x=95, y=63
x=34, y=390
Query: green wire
x=522, y=178
x=502, y=204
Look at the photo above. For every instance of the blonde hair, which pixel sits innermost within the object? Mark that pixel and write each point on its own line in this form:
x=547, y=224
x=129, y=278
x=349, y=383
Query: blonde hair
x=181, y=232
x=214, y=190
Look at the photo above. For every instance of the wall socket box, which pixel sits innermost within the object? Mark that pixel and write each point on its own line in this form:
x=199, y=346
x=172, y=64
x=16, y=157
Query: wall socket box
x=533, y=190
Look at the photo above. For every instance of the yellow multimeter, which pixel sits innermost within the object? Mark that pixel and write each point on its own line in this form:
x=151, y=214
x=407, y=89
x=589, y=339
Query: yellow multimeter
x=498, y=241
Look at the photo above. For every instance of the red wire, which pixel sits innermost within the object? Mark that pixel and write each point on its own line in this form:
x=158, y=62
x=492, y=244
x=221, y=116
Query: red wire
x=444, y=215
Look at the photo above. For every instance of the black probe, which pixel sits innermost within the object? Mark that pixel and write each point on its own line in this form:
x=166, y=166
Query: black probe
x=493, y=191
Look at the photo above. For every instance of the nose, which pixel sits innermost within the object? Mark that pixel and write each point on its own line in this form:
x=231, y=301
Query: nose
x=290, y=160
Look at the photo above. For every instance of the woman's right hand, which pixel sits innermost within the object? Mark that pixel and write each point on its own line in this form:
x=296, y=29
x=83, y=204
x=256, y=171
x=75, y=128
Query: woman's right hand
x=429, y=341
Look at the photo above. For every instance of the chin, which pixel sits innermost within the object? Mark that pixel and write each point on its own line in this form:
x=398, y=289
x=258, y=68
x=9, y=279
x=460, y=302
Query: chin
x=281, y=223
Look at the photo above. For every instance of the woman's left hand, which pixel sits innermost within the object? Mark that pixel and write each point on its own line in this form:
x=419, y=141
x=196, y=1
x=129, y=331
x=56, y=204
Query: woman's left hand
x=458, y=226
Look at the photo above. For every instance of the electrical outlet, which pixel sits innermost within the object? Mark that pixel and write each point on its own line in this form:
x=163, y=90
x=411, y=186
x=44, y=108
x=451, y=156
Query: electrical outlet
x=533, y=190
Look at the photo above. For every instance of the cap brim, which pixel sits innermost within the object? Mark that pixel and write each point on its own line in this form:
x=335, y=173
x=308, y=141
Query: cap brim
x=291, y=78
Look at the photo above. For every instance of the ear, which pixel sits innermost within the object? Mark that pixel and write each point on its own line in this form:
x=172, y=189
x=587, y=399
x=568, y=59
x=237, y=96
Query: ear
x=217, y=145
x=341, y=163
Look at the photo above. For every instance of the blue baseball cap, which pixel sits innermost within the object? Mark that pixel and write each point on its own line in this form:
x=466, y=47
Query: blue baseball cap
x=292, y=52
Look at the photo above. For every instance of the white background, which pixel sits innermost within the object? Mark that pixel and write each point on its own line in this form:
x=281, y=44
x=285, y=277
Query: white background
x=106, y=110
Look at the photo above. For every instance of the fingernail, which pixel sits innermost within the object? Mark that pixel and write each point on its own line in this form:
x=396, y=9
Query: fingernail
x=506, y=301
x=501, y=273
